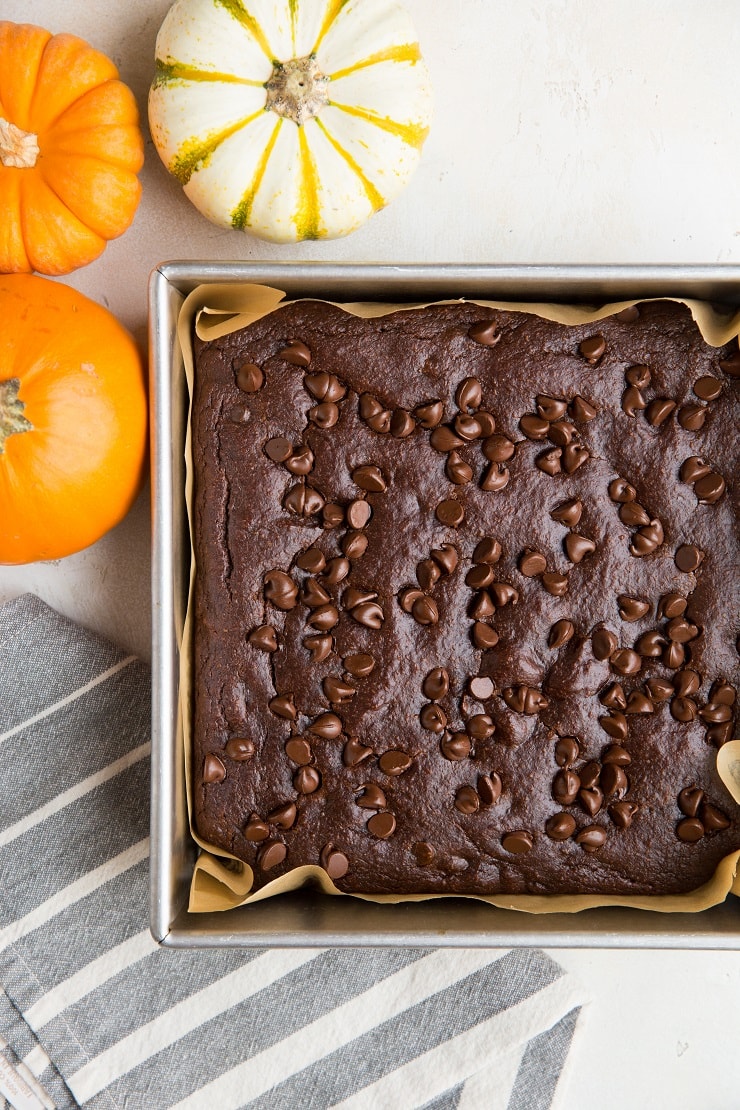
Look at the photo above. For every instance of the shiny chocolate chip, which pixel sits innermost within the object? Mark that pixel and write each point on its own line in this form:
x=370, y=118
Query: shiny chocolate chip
x=395, y=763
x=532, y=563
x=479, y=576
x=239, y=749
x=555, y=583
x=280, y=589
x=489, y=788
x=381, y=423
x=402, y=424
x=625, y=661
x=621, y=491
x=336, y=570
x=369, y=613
x=327, y=725
x=424, y=853
x=567, y=512
x=482, y=606
x=457, y=470
x=249, y=377
x=690, y=830
x=337, y=690
x=332, y=515
x=488, y=551
x=633, y=401
x=681, y=630
x=355, y=753
x=282, y=705
x=689, y=800
x=731, y=365
x=617, y=755
x=582, y=410
x=278, y=449
x=633, y=514
x=407, y=597
x=324, y=415
x=560, y=633
x=714, y=713
x=256, y=830
x=638, y=702
x=495, y=478
x=632, y=608
x=533, y=426
x=334, y=862
x=603, y=642
x=692, y=417
x=613, y=697
x=613, y=781
x=446, y=557
x=487, y=423
x=480, y=726
x=671, y=605
x=622, y=813
x=352, y=597
x=707, y=388
x=369, y=406
x=450, y=512
x=615, y=725
x=369, y=478
x=299, y=751
x=455, y=746
x=550, y=462
x=693, y=468
x=429, y=415
x=264, y=638
x=723, y=693
x=486, y=332
x=354, y=545
x=674, y=655
x=660, y=689
x=638, y=376
x=591, y=838
x=651, y=644
x=301, y=461
x=306, y=780
x=560, y=826
x=296, y=353
x=561, y=433
x=213, y=769
x=319, y=646
x=517, y=842
x=467, y=427
x=659, y=410
x=358, y=514
x=709, y=488
x=577, y=547
x=592, y=348
x=271, y=855
x=713, y=819
x=371, y=797
x=359, y=665
x=503, y=594
x=686, y=682
x=683, y=710
x=303, y=500
x=443, y=439
x=324, y=618
x=551, y=408
x=628, y=315
x=436, y=684
x=574, y=456
x=688, y=557
x=382, y=825
x=589, y=773
x=283, y=816
x=313, y=594
x=498, y=448
x=425, y=611
x=467, y=800
x=525, y=699
x=484, y=636
x=567, y=749
x=433, y=718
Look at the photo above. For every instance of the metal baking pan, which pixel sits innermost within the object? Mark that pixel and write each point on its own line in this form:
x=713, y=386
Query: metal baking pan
x=307, y=918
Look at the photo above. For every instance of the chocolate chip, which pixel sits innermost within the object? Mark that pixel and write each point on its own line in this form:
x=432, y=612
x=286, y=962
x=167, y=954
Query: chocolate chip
x=482, y=606
x=467, y=427
x=256, y=830
x=250, y=378
x=239, y=414
x=324, y=618
x=693, y=468
x=381, y=423
x=433, y=718
x=495, y=478
x=498, y=448
x=621, y=491
x=731, y=365
x=489, y=788
x=240, y=749
x=551, y=408
x=713, y=819
x=532, y=563
x=517, y=842
x=707, y=388
x=659, y=410
x=436, y=684
x=382, y=825
x=686, y=682
x=368, y=613
x=455, y=746
x=337, y=690
x=278, y=449
x=681, y=630
x=615, y=725
x=633, y=514
x=336, y=570
x=639, y=703
x=313, y=594
x=503, y=594
x=622, y=813
x=213, y=769
x=283, y=816
x=354, y=545
x=319, y=646
x=638, y=376
x=589, y=773
x=628, y=315
x=450, y=512
x=683, y=710
x=555, y=583
x=593, y=348
x=280, y=589
x=467, y=800
x=425, y=611
x=625, y=661
x=296, y=353
x=574, y=455
x=402, y=424
x=407, y=597
x=443, y=439
x=617, y=755
x=690, y=830
x=423, y=852
x=710, y=488
x=264, y=638
x=395, y=763
x=335, y=863
x=633, y=401
x=674, y=655
x=484, y=636
x=690, y=799
x=632, y=608
x=651, y=644
x=688, y=557
x=561, y=433
x=525, y=699
x=371, y=797
x=549, y=462
x=714, y=713
x=299, y=751
x=446, y=557
x=327, y=725
x=533, y=426
x=613, y=780
x=692, y=417
x=271, y=855
x=659, y=689
x=486, y=333
x=567, y=749
x=480, y=726
x=332, y=515
x=303, y=500
x=603, y=642
x=301, y=461
x=358, y=513
x=487, y=551
x=591, y=838
x=360, y=665
x=457, y=470
x=355, y=753
x=487, y=423
x=369, y=406
x=317, y=385
x=282, y=706
x=481, y=687
x=369, y=478
x=560, y=633
x=719, y=734
x=671, y=605
x=324, y=415
x=582, y=410
x=306, y=780
x=560, y=826
x=613, y=697
x=430, y=414
x=723, y=693
x=479, y=576
x=352, y=597
x=577, y=547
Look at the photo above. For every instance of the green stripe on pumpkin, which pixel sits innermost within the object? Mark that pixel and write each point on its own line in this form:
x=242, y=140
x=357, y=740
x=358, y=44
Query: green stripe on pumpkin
x=413, y=134
x=376, y=199
x=242, y=215
x=332, y=11
x=306, y=218
x=196, y=153
x=237, y=11
x=166, y=73
x=408, y=52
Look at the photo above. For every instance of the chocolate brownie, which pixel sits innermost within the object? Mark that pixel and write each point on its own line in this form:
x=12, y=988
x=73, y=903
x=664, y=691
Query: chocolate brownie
x=466, y=605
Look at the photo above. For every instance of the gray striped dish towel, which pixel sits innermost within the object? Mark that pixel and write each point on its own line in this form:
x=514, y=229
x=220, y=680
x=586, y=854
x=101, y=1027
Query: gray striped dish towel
x=93, y=1013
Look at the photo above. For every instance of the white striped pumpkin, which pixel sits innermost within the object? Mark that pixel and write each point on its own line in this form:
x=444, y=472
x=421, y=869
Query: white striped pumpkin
x=290, y=119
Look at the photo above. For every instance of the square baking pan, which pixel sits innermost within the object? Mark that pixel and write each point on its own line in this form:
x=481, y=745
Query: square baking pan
x=307, y=918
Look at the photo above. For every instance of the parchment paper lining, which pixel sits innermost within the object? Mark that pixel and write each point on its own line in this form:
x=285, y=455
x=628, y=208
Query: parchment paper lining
x=221, y=881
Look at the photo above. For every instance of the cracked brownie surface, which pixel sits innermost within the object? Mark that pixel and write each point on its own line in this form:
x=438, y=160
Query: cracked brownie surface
x=466, y=599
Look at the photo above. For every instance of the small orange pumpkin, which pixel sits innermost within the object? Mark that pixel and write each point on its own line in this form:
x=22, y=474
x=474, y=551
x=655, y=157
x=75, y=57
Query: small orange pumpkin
x=73, y=420
x=70, y=150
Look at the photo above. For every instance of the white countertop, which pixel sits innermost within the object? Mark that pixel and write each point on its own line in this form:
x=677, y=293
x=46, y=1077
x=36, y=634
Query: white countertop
x=564, y=131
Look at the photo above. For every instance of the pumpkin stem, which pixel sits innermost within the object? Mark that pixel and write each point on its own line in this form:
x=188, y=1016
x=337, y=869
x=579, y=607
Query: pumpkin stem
x=12, y=419
x=297, y=89
x=17, y=148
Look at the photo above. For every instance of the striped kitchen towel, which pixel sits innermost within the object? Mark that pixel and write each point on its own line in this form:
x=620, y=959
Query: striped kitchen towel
x=93, y=1013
